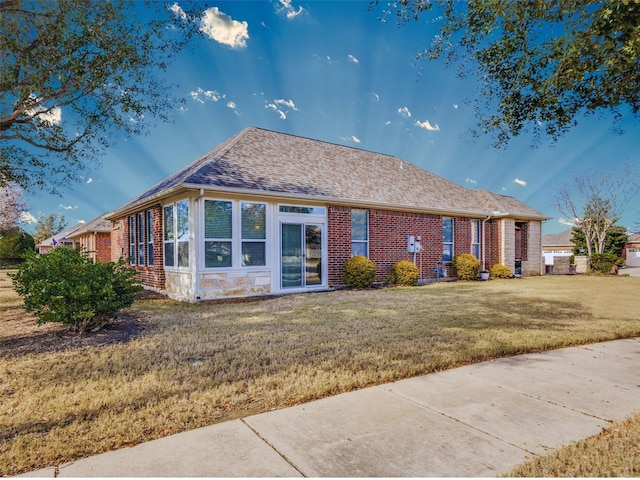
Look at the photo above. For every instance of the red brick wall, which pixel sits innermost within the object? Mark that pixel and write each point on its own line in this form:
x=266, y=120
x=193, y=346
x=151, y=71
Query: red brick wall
x=492, y=242
x=388, y=231
x=103, y=247
x=150, y=276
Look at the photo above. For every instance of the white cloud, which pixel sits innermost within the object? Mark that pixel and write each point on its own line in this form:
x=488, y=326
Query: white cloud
x=200, y=95
x=455, y=105
x=355, y=139
x=281, y=106
x=427, y=126
x=288, y=9
x=285, y=103
x=353, y=59
x=520, y=182
x=404, y=111
x=89, y=180
x=52, y=116
x=376, y=96
x=178, y=12
x=564, y=221
x=470, y=180
x=231, y=105
x=26, y=217
x=224, y=29
x=388, y=122
x=67, y=207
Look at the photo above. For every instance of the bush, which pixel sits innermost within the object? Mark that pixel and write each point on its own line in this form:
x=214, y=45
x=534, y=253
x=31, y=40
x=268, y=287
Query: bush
x=404, y=272
x=604, y=262
x=500, y=271
x=467, y=266
x=65, y=286
x=359, y=272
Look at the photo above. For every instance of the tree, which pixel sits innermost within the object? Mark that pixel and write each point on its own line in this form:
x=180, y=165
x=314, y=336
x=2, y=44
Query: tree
x=596, y=202
x=14, y=244
x=11, y=206
x=541, y=64
x=75, y=72
x=614, y=244
x=48, y=226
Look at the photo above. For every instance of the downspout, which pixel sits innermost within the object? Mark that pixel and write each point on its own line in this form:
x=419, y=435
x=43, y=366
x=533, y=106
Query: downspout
x=196, y=231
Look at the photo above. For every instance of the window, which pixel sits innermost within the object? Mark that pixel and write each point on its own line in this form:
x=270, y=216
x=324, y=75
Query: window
x=303, y=210
x=140, y=238
x=359, y=232
x=182, y=232
x=253, y=234
x=150, y=237
x=168, y=236
x=476, y=232
x=132, y=240
x=447, y=239
x=218, y=233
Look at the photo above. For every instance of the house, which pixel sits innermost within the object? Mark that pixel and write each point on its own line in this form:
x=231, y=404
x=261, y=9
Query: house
x=270, y=213
x=632, y=250
x=557, y=245
x=93, y=237
x=58, y=239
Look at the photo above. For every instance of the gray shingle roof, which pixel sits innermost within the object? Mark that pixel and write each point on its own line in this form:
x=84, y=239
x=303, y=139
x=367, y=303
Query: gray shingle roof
x=562, y=239
x=259, y=160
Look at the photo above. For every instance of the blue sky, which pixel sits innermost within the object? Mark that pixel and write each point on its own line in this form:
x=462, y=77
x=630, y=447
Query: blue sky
x=332, y=71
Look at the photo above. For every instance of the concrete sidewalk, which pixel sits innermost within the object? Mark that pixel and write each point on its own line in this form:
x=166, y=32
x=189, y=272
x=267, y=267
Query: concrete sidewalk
x=480, y=420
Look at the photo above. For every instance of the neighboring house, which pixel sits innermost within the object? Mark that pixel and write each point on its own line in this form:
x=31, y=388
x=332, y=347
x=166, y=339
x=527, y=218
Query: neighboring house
x=60, y=238
x=557, y=245
x=94, y=237
x=632, y=250
x=270, y=213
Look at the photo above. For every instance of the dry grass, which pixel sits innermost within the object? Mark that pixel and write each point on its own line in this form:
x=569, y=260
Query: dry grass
x=613, y=453
x=194, y=365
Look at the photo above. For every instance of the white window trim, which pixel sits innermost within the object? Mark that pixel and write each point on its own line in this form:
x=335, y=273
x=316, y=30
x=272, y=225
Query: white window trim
x=236, y=236
x=453, y=239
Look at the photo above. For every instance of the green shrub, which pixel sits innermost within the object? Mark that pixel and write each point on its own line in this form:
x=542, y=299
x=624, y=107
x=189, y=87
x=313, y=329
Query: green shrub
x=467, y=266
x=500, y=271
x=604, y=262
x=404, y=272
x=65, y=286
x=359, y=272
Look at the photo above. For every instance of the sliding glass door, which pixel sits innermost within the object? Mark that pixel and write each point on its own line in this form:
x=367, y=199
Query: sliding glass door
x=301, y=255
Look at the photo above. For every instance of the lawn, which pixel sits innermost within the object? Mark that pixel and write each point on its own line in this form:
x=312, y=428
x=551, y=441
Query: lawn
x=166, y=367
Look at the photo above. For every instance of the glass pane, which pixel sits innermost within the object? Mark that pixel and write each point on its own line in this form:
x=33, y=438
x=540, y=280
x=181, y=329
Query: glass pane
x=169, y=260
x=217, y=219
x=359, y=248
x=447, y=230
x=313, y=255
x=253, y=253
x=217, y=254
x=359, y=225
x=183, y=254
x=291, y=255
x=150, y=254
x=304, y=210
x=253, y=221
x=168, y=223
x=150, y=226
x=183, y=220
x=447, y=252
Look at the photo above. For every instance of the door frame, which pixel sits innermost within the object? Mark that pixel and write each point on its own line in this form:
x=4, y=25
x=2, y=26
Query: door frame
x=303, y=222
